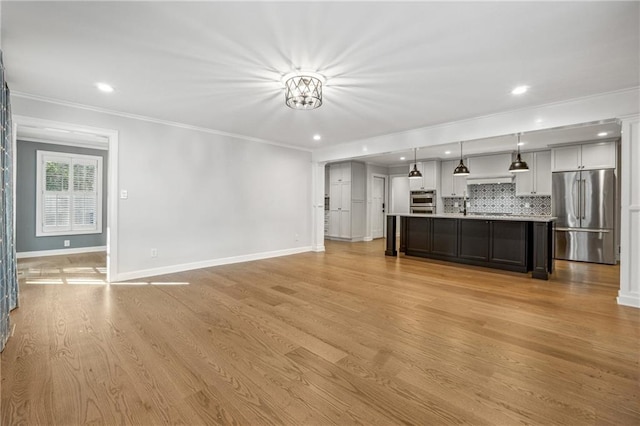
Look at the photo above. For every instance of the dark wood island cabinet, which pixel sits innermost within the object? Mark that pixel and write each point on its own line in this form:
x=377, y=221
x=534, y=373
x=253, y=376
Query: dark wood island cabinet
x=520, y=244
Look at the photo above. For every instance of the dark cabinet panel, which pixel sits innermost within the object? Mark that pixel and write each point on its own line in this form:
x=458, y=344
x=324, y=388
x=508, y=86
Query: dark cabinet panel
x=509, y=242
x=473, y=239
x=504, y=244
x=445, y=237
x=418, y=235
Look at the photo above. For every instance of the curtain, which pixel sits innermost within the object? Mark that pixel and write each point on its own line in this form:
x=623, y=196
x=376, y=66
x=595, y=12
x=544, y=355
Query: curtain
x=8, y=274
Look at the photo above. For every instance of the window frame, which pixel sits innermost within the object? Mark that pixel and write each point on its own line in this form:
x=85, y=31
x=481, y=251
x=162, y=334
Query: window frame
x=42, y=157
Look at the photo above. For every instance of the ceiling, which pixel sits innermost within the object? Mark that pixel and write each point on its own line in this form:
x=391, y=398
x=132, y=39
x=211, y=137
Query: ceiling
x=530, y=141
x=390, y=66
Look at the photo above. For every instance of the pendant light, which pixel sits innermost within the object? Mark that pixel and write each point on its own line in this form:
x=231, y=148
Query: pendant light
x=518, y=165
x=461, y=170
x=415, y=173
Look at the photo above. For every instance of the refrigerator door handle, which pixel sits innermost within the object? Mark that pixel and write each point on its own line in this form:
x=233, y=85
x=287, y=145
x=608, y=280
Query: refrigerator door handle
x=583, y=195
x=596, y=231
x=576, y=198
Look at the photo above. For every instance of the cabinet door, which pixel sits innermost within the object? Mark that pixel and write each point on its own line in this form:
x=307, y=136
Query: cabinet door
x=345, y=224
x=599, y=156
x=444, y=237
x=541, y=173
x=525, y=181
x=345, y=196
x=459, y=185
x=509, y=243
x=446, y=178
x=335, y=173
x=429, y=179
x=473, y=243
x=566, y=158
x=416, y=184
x=334, y=223
x=340, y=172
x=335, y=196
x=418, y=235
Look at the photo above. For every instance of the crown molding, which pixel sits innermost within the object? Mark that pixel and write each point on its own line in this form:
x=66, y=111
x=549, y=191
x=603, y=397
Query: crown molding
x=152, y=120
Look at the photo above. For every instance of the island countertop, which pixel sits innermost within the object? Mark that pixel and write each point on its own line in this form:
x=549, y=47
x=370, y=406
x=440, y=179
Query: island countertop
x=482, y=216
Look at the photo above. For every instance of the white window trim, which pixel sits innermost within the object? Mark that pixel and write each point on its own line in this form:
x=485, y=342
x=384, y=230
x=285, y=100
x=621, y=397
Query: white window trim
x=40, y=155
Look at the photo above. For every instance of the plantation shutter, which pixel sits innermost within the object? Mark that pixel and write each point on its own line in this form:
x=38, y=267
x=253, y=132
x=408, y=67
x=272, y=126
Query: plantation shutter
x=85, y=195
x=70, y=193
x=57, y=197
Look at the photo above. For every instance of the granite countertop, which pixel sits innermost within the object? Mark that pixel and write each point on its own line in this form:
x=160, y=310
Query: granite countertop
x=484, y=216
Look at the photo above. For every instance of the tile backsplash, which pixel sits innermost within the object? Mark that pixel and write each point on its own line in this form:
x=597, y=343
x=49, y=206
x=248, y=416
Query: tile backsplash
x=500, y=198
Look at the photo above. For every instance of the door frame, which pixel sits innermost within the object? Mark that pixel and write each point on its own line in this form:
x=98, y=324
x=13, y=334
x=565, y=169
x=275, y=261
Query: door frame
x=112, y=176
x=385, y=198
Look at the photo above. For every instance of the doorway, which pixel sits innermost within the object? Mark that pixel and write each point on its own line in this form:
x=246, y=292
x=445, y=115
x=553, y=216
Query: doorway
x=86, y=235
x=378, y=206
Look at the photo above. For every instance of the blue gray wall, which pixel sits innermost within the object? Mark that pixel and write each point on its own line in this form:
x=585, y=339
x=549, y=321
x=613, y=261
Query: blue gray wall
x=26, y=239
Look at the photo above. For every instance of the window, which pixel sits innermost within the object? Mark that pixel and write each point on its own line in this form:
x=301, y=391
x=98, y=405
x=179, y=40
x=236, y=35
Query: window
x=68, y=194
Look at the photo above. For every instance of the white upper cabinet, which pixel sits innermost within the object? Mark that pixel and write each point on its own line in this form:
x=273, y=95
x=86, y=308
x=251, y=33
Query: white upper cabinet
x=340, y=172
x=489, y=165
x=429, y=180
x=538, y=180
x=591, y=156
x=451, y=186
x=599, y=156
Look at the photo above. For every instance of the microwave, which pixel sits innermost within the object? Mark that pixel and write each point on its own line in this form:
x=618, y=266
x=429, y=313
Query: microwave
x=423, y=198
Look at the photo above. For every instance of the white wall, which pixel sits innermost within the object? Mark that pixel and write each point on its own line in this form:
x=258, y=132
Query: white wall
x=198, y=198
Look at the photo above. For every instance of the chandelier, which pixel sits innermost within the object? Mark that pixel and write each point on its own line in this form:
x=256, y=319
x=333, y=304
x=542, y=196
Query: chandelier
x=303, y=90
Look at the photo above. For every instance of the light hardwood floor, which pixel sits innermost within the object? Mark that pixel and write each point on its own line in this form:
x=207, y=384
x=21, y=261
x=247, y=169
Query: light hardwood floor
x=343, y=337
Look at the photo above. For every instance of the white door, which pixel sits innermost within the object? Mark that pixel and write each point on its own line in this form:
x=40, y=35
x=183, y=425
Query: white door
x=377, y=207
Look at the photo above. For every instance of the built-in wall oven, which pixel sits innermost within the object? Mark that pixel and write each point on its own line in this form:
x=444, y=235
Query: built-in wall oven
x=423, y=202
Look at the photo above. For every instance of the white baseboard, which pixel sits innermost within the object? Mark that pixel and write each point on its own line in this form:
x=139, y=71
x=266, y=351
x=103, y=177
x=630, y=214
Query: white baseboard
x=319, y=248
x=134, y=275
x=629, y=299
x=368, y=239
x=59, y=252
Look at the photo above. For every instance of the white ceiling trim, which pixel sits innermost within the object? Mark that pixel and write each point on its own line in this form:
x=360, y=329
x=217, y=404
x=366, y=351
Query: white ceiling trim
x=152, y=120
x=604, y=106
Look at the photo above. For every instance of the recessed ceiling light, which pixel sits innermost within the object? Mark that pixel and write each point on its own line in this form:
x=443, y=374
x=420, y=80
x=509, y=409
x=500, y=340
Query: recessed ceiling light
x=519, y=90
x=521, y=143
x=539, y=120
x=104, y=87
x=316, y=137
x=603, y=134
x=447, y=152
x=402, y=158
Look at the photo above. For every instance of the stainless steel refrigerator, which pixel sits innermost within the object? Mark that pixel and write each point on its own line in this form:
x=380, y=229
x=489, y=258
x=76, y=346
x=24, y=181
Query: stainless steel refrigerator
x=584, y=203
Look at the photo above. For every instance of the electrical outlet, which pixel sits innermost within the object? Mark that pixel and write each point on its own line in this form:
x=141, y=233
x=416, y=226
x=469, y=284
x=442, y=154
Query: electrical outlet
x=67, y=243
x=154, y=252
x=456, y=204
x=527, y=205
x=297, y=237
x=124, y=194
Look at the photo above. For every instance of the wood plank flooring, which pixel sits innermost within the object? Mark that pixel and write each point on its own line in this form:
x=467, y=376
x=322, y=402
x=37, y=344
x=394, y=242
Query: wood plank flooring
x=343, y=337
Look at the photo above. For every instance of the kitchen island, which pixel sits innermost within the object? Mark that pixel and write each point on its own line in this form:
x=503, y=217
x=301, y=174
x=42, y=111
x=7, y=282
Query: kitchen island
x=510, y=242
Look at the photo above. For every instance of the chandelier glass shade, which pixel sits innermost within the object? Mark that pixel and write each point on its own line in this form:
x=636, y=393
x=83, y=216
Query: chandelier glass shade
x=303, y=91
